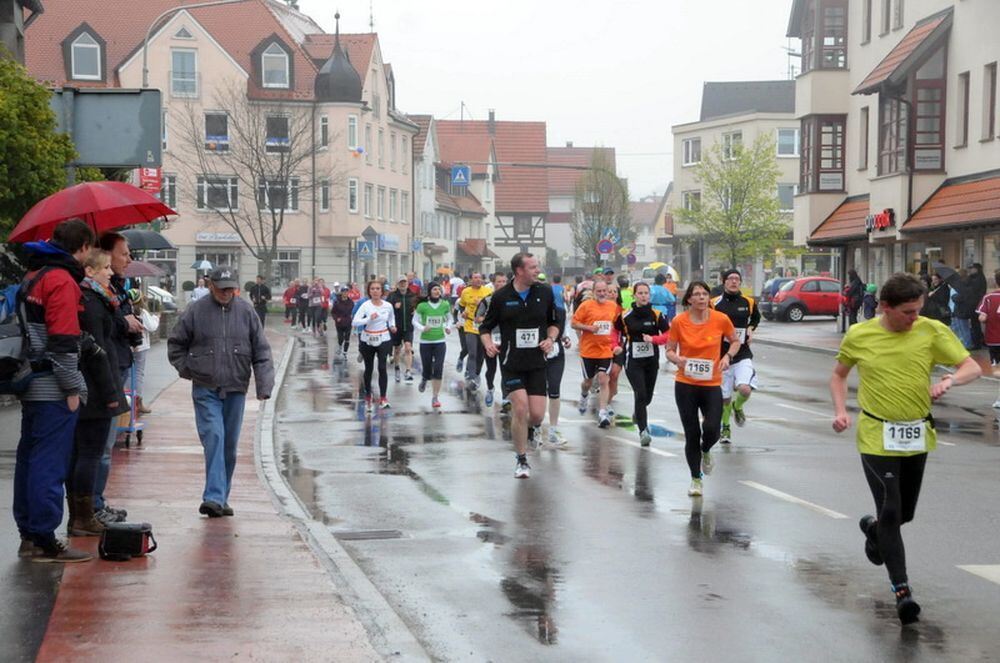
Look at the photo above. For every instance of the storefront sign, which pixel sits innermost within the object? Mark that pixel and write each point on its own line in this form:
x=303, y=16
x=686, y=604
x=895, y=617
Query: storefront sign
x=150, y=180
x=213, y=238
x=881, y=220
x=387, y=242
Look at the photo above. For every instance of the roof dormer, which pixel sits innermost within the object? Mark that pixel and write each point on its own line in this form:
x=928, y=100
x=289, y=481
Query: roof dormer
x=85, y=55
x=273, y=64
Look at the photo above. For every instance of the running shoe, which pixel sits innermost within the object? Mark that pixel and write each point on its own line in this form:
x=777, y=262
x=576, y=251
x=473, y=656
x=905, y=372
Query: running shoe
x=706, y=463
x=582, y=407
x=740, y=416
x=435, y=403
x=907, y=609
x=603, y=421
x=408, y=377
x=458, y=366
x=384, y=403
x=724, y=435
x=556, y=438
x=489, y=399
x=505, y=406
x=397, y=373
x=645, y=439
x=868, y=524
x=694, y=490
x=611, y=412
x=368, y=404
x=422, y=386
x=522, y=470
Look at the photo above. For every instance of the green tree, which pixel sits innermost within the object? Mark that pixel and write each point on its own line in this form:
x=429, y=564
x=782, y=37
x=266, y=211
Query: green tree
x=602, y=207
x=739, y=210
x=33, y=156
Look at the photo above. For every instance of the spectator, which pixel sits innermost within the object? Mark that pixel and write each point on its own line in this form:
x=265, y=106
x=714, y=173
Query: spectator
x=199, y=291
x=869, y=303
x=937, y=306
x=963, y=307
x=977, y=287
x=260, y=296
x=51, y=405
x=853, y=294
x=215, y=344
x=150, y=324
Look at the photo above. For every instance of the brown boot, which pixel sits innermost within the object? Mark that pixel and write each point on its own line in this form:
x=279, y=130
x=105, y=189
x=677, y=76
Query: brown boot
x=141, y=407
x=82, y=521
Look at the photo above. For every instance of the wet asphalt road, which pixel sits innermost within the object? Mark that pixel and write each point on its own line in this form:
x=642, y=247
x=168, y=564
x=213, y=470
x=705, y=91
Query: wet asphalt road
x=602, y=556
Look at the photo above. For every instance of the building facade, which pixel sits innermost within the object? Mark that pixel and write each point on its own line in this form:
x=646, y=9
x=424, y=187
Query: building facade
x=898, y=109
x=13, y=23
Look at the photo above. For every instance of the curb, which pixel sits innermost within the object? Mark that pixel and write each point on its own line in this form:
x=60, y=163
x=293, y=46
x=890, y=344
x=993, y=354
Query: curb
x=389, y=633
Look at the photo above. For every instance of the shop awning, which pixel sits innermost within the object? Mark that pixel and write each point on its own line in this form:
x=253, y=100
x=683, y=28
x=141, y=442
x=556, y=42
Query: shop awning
x=959, y=203
x=846, y=223
x=918, y=42
x=432, y=249
x=476, y=248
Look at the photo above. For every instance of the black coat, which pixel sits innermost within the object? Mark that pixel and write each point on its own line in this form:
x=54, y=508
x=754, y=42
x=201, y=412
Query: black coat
x=99, y=359
x=938, y=304
x=122, y=337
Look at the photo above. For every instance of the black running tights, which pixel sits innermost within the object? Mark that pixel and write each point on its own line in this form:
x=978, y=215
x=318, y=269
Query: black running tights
x=895, y=485
x=702, y=435
x=432, y=360
x=461, y=342
x=369, y=353
x=343, y=338
x=641, y=375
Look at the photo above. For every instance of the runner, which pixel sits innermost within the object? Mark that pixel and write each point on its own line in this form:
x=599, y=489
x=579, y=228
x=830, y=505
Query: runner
x=319, y=307
x=555, y=366
x=499, y=281
x=378, y=322
x=989, y=317
x=895, y=354
x=430, y=320
x=618, y=359
x=525, y=313
x=662, y=299
x=642, y=358
x=342, y=312
x=740, y=378
x=403, y=302
x=468, y=301
x=693, y=345
x=594, y=320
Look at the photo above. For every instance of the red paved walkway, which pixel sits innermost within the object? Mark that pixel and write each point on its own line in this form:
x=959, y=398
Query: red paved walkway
x=242, y=588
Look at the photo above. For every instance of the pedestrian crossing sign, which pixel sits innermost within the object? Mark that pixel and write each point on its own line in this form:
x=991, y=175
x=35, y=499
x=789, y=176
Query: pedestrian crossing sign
x=461, y=175
x=365, y=250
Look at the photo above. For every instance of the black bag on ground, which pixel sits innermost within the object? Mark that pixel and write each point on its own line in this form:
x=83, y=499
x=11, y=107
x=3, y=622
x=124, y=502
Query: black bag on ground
x=121, y=542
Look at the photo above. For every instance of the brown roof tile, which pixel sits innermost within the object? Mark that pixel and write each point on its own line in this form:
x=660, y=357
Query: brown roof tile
x=959, y=204
x=644, y=211
x=359, y=49
x=846, y=222
x=521, y=189
x=467, y=205
x=461, y=141
x=899, y=57
x=563, y=181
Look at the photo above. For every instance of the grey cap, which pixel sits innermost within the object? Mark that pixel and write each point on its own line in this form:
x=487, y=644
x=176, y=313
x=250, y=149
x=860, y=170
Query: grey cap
x=224, y=277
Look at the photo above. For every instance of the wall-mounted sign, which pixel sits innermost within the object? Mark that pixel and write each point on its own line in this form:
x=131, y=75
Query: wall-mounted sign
x=217, y=238
x=831, y=182
x=388, y=242
x=880, y=220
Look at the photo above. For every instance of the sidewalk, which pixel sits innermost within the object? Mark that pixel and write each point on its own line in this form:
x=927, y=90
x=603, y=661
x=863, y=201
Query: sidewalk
x=246, y=587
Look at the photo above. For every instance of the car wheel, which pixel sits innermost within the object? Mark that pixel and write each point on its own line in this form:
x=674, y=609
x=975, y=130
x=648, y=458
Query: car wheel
x=795, y=313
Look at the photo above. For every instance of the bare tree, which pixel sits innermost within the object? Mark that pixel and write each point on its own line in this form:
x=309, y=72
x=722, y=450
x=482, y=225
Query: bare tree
x=251, y=162
x=602, y=208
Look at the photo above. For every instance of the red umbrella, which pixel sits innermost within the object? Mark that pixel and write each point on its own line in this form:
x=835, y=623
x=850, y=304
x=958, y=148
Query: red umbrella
x=104, y=205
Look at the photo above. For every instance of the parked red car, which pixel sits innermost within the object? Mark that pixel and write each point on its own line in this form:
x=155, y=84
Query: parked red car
x=809, y=295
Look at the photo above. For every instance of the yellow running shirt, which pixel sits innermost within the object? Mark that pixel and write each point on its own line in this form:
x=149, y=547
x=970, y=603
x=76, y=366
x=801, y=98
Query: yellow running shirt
x=469, y=301
x=895, y=372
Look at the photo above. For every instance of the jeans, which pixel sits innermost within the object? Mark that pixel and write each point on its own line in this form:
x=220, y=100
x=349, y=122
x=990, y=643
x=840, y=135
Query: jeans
x=476, y=352
x=43, y=454
x=88, y=447
x=963, y=330
x=104, y=468
x=219, y=420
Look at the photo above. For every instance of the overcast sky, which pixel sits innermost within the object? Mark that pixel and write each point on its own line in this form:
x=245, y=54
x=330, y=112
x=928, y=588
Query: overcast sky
x=617, y=74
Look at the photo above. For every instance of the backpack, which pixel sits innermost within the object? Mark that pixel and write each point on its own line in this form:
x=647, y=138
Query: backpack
x=16, y=372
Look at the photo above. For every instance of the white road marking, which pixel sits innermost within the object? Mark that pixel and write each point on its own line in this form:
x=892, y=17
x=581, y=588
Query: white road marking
x=947, y=444
x=989, y=571
x=806, y=410
x=652, y=450
x=794, y=500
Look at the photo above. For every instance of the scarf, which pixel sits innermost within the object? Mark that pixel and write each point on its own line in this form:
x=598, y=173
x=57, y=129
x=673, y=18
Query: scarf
x=105, y=293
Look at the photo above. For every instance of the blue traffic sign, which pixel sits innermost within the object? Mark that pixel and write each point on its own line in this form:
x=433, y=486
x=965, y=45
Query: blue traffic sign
x=366, y=250
x=461, y=175
x=605, y=247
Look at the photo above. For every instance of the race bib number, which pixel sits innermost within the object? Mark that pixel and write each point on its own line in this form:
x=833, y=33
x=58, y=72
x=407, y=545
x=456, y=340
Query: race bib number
x=904, y=435
x=526, y=338
x=699, y=369
x=496, y=336
x=642, y=350
x=603, y=327
x=373, y=339
x=741, y=334
x=316, y=301
x=435, y=321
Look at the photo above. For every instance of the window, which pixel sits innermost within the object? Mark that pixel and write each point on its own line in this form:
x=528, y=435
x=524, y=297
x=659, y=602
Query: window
x=380, y=210
x=368, y=200
x=277, y=195
x=691, y=200
x=168, y=191
x=324, y=131
x=368, y=143
x=352, y=131
x=393, y=200
x=274, y=67
x=277, y=134
x=404, y=206
x=786, y=196
x=866, y=21
x=810, y=286
x=892, y=136
x=886, y=17
x=990, y=101
x=692, y=151
x=962, y=116
x=217, y=132
x=829, y=286
x=218, y=193
x=405, y=155
x=732, y=142
x=863, y=134
x=285, y=267
x=85, y=54
x=381, y=148
x=897, y=15
x=834, y=53
x=392, y=150
x=324, y=196
x=377, y=105
x=522, y=226
x=183, y=72
x=163, y=129
x=352, y=195
x=488, y=190
x=822, y=148
x=928, y=126
x=788, y=142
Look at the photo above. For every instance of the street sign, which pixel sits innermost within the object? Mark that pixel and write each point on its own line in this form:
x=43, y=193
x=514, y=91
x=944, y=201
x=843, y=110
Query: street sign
x=366, y=250
x=417, y=245
x=631, y=259
x=624, y=251
x=461, y=175
x=111, y=127
x=150, y=180
x=605, y=247
x=613, y=236
x=605, y=257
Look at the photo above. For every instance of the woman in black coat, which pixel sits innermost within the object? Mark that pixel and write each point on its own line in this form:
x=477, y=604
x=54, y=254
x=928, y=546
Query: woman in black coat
x=105, y=398
x=854, y=294
x=937, y=306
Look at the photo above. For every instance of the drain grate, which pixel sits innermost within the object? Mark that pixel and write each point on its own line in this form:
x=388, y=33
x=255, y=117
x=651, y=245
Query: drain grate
x=368, y=535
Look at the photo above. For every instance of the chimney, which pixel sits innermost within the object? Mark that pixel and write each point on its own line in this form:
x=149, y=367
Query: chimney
x=491, y=125
x=569, y=143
